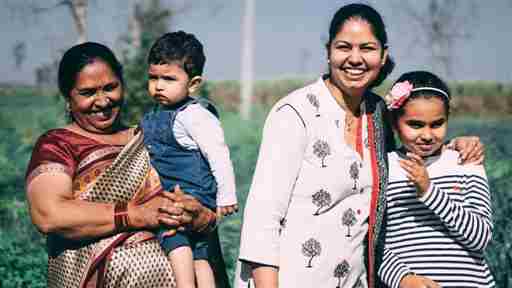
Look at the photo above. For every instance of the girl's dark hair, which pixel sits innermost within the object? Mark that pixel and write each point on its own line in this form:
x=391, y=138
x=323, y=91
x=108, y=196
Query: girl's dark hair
x=79, y=56
x=420, y=79
x=370, y=15
x=181, y=47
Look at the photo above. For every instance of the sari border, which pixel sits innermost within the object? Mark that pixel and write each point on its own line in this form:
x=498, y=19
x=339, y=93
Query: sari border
x=48, y=168
x=96, y=155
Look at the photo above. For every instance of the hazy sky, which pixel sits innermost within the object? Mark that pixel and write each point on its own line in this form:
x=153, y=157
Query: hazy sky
x=290, y=36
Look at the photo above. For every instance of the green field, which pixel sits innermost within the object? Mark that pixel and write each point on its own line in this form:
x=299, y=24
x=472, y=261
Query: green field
x=27, y=112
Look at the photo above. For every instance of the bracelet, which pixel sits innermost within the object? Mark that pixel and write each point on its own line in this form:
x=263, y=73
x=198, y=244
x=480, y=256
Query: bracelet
x=121, y=220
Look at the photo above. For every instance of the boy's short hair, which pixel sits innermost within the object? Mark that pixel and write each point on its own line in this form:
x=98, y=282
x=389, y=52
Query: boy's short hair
x=179, y=47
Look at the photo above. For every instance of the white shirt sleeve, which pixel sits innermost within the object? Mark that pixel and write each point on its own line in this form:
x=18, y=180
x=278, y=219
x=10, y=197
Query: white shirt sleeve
x=280, y=158
x=197, y=128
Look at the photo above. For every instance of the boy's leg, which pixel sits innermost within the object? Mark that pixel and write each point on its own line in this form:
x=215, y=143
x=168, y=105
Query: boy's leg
x=204, y=274
x=180, y=255
x=183, y=266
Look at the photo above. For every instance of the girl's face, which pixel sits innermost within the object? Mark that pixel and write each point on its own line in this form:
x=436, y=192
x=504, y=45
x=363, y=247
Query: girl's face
x=355, y=56
x=423, y=125
x=95, y=100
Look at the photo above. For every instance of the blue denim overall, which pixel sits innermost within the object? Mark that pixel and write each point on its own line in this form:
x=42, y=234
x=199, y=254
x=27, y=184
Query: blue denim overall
x=179, y=166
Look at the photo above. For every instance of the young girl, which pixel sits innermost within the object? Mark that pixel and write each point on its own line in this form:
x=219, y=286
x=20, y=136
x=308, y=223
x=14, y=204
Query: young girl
x=438, y=211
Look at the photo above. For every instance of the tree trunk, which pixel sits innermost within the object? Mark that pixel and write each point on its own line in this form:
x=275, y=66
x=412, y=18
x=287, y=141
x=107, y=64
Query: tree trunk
x=135, y=25
x=309, y=262
x=79, y=12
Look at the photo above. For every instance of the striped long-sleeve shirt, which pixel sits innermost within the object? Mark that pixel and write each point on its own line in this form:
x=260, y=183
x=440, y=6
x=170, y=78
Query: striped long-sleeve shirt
x=442, y=235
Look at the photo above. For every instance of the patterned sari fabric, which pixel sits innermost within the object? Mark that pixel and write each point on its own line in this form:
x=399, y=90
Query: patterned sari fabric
x=106, y=174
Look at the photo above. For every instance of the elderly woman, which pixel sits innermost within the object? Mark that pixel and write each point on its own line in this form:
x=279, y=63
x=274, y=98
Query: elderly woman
x=91, y=189
x=314, y=211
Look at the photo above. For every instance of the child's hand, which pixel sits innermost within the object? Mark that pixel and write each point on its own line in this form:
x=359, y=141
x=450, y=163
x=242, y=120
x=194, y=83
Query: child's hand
x=416, y=172
x=226, y=210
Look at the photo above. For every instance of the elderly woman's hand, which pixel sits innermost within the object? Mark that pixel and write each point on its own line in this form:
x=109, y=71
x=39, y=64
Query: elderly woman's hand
x=188, y=211
x=153, y=212
x=175, y=210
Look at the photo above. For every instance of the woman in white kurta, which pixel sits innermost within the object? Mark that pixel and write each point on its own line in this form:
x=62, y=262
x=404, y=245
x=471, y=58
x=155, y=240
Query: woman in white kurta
x=321, y=168
x=309, y=202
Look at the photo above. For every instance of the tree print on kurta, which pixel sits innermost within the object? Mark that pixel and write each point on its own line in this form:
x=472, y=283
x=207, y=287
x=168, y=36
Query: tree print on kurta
x=341, y=271
x=349, y=219
x=314, y=101
x=282, y=225
x=366, y=143
x=311, y=249
x=354, y=174
x=321, y=199
x=321, y=149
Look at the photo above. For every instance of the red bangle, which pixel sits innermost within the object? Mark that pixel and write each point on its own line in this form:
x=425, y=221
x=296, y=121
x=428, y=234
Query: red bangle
x=121, y=216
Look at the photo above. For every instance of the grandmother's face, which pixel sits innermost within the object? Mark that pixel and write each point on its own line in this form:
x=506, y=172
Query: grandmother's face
x=95, y=100
x=356, y=56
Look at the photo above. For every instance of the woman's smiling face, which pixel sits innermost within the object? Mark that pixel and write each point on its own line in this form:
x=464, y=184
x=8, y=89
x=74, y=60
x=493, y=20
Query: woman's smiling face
x=95, y=100
x=356, y=56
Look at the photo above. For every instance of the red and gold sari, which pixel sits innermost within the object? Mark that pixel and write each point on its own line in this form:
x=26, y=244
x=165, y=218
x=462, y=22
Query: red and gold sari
x=107, y=174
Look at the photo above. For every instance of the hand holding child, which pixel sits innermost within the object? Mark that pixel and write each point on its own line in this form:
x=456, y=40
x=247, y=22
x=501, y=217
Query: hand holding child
x=416, y=172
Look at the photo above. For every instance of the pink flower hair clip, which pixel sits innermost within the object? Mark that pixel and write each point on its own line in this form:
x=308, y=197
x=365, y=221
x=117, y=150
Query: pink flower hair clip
x=398, y=94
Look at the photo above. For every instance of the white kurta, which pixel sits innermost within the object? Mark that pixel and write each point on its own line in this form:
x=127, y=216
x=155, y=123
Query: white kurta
x=308, y=205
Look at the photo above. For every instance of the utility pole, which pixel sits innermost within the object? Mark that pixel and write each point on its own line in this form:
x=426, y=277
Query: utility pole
x=247, y=59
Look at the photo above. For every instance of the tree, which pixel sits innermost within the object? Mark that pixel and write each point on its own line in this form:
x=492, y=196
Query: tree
x=314, y=101
x=19, y=52
x=349, y=219
x=354, y=174
x=311, y=248
x=442, y=23
x=341, y=271
x=322, y=149
x=321, y=199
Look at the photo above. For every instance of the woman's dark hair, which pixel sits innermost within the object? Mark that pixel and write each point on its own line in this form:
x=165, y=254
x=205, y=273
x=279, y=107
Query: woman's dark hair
x=179, y=47
x=79, y=56
x=370, y=15
x=422, y=79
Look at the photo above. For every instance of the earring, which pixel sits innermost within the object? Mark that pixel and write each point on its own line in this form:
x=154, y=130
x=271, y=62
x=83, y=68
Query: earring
x=69, y=115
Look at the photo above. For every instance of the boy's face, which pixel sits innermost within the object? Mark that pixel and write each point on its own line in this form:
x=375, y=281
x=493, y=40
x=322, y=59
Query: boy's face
x=169, y=83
